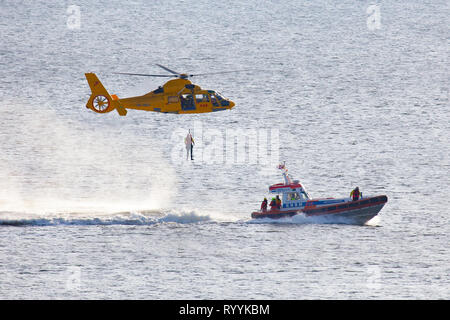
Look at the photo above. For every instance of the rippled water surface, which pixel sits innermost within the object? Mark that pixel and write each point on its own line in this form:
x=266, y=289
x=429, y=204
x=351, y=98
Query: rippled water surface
x=106, y=207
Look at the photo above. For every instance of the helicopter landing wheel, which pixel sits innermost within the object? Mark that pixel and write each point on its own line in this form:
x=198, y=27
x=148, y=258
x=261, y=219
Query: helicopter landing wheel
x=100, y=104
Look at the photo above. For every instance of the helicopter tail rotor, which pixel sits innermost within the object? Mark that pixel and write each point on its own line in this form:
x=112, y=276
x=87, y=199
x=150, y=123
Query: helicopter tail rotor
x=100, y=100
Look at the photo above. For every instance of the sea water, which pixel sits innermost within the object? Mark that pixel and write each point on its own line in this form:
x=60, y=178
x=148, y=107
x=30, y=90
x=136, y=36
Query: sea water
x=348, y=93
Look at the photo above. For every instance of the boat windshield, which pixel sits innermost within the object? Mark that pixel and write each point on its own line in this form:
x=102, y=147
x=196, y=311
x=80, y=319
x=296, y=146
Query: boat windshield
x=304, y=194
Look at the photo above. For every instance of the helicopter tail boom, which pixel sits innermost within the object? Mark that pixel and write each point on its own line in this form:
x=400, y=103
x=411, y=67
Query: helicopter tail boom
x=100, y=100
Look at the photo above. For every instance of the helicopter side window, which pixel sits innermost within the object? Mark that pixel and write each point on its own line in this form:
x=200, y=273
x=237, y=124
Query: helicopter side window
x=186, y=97
x=201, y=98
x=172, y=99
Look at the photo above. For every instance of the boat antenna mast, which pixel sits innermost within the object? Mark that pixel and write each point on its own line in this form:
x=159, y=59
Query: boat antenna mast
x=282, y=167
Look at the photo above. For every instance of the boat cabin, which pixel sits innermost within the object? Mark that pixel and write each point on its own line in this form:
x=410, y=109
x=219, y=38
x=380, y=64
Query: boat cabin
x=292, y=195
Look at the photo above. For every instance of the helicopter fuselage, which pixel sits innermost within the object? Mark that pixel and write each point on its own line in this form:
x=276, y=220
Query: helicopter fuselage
x=178, y=96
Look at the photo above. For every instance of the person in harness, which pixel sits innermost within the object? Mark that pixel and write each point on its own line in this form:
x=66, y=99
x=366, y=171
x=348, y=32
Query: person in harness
x=189, y=141
x=264, y=205
x=355, y=194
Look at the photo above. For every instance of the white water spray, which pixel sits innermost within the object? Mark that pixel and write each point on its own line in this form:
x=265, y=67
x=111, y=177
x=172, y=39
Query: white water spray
x=50, y=163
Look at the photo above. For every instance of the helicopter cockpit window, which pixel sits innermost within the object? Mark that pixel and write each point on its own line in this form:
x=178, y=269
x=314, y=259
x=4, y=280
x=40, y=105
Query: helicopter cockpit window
x=214, y=100
x=201, y=98
x=223, y=102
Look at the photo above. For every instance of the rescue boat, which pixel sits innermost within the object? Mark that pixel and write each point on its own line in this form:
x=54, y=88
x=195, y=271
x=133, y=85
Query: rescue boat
x=295, y=200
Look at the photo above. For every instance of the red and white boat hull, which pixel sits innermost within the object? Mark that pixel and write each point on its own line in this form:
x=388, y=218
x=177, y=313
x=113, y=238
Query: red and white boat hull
x=357, y=212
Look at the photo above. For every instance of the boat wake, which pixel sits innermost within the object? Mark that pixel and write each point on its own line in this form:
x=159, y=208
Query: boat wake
x=83, y=219
x=154, y=217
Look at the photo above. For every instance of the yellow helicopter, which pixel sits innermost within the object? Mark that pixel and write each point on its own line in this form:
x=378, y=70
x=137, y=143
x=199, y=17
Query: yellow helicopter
x=178, y=96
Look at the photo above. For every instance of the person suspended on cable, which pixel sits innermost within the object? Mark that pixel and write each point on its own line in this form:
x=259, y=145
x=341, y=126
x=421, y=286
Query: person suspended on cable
x=189, y=141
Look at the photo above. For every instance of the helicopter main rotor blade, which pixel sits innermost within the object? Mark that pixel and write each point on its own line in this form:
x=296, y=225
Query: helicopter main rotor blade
x=179, y=75
x=167, y=69
x=221, y=72
x=147, y=75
